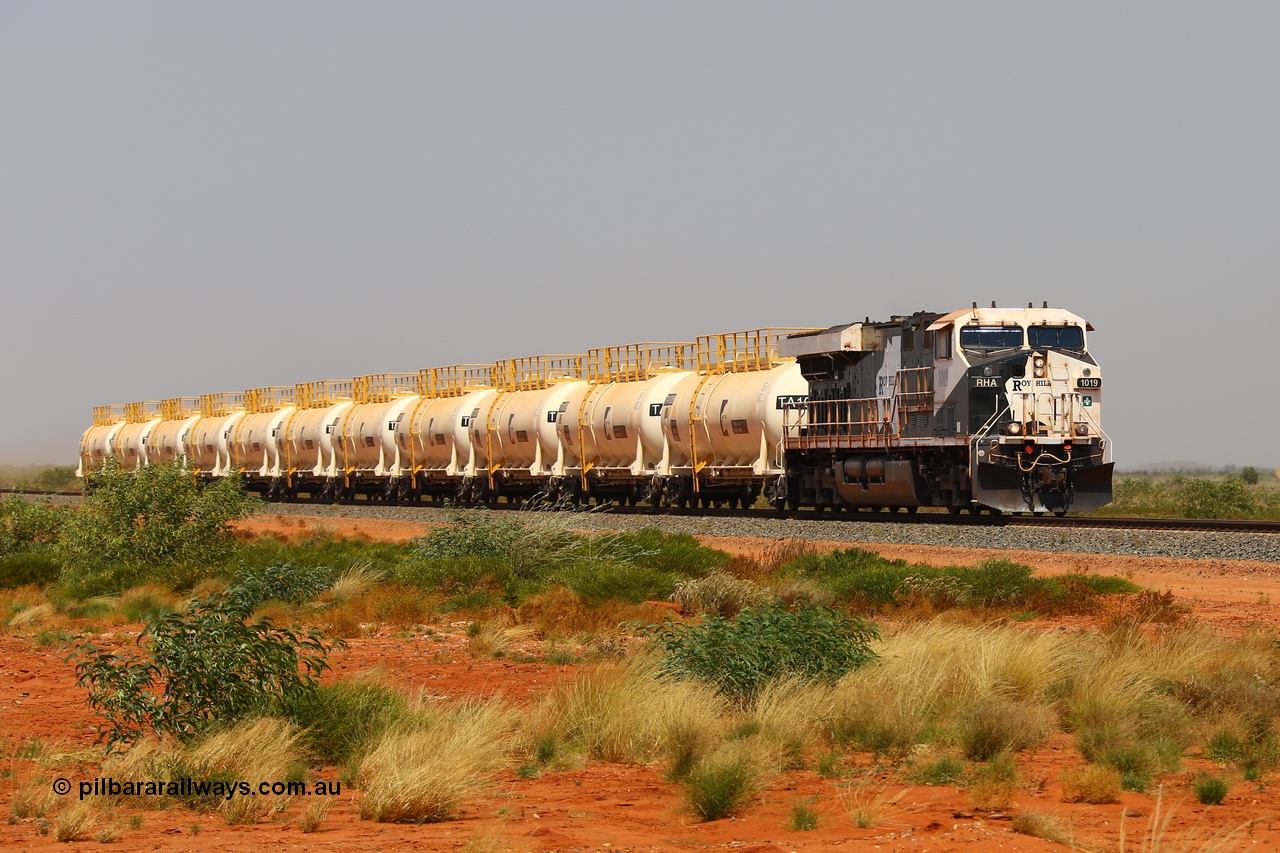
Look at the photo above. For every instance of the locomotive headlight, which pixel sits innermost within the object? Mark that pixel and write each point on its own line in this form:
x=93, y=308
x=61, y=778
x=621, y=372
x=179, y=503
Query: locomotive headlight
x=1014, y=428
x=1082, y=429
x=1039, y=372
x=1038, y=361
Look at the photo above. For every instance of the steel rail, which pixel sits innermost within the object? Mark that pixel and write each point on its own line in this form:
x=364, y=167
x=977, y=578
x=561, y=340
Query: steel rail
x=1202, y=525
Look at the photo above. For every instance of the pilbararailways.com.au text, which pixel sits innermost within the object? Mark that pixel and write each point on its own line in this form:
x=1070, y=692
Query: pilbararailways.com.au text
x=188, y=787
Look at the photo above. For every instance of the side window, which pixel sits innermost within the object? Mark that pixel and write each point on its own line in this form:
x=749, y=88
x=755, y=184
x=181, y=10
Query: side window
x=943, y=348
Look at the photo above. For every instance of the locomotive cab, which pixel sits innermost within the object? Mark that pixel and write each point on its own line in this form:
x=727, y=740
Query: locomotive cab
x=1034, y=412
x=981, y=408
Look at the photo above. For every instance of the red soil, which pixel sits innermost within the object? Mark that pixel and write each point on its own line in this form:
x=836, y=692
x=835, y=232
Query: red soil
x=609, y=807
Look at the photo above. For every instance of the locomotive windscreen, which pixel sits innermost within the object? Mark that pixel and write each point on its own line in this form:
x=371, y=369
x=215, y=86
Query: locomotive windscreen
x=1055, y=337
x=990, y=337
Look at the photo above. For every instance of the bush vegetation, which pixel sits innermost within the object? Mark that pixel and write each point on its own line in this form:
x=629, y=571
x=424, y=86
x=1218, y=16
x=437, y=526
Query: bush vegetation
x=771, y=665
x=205, y=667
x=1243, y=495
x=740, y=656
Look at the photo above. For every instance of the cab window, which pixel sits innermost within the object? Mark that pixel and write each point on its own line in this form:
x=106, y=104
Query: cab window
x=1056, y=337
x=990, y=337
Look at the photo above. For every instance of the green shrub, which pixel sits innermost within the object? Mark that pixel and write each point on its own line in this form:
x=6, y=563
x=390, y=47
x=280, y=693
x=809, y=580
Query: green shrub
x=720, y=784
x=1225, y=498
x=134, y=525
x=769, y=641
x=145, y=604
x=34, y=566
x=210, y=665
x=518, y=557
x=339, y=721
x=947, y=770
x=804, y=817
x=997, y=581
x=857, y=574
x=864, y=576
x=1210, y=790
x=27, y=524
x=673, y=553
x=455, y=575
x=285, y=582
x=599, y=582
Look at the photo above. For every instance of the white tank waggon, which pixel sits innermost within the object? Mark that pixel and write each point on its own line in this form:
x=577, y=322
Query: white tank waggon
x=168, y=441
x=996, y=409
x=99, y=441
x=210, y=448
x=259, y=440
x=434, y=438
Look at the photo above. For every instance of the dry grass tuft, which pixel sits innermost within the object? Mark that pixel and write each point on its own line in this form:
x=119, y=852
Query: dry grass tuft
x=254, y=751
x=314, y=814
x=354, y=582
x=36, y=614
x=74, y=822
x=869, y=805
x=1096, y=784
x=345, y=621
x=493, y=640
x=791, y=713
x=559, y=613
x=421, y=773
x=993, y=783
x=257, y=750
x=625, y=713
x=1043, y=825
x=719, y=593
x=933, y=673
x=32, y=798
x=722, y=783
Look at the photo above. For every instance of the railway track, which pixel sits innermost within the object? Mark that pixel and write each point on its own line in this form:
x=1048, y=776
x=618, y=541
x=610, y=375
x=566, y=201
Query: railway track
x=1200, y=525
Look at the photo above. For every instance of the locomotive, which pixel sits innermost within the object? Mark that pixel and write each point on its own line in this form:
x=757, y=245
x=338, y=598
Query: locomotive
x=992, y=409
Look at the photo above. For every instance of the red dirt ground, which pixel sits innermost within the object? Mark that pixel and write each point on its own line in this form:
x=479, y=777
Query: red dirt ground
x=607, y=807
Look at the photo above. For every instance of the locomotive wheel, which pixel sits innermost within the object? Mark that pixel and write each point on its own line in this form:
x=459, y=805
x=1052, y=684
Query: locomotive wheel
x=953, y=509
x=912, y=510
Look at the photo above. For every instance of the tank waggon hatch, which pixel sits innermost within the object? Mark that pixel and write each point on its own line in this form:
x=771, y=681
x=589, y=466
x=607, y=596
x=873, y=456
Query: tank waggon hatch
x=140, y=413
x=323, y=393
x=108, y=415
x=639, y=362
x=735, y=352
x=454, y=380
x=219, y=405
x=268, y=399
x=535, y=372
x=384, y=387
x=179, y=408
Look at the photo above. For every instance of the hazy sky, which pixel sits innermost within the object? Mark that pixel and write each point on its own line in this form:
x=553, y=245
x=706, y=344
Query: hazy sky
x=212, y=197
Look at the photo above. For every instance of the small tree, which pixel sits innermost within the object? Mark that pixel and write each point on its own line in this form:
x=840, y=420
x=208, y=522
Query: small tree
x=208, y=665
x=1250, y=475
x=133, y=522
